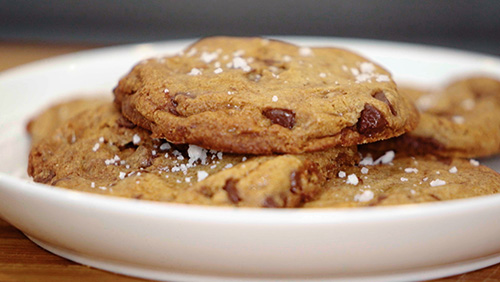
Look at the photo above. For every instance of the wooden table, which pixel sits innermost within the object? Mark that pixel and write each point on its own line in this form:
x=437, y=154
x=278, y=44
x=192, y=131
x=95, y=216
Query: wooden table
x=22, y=260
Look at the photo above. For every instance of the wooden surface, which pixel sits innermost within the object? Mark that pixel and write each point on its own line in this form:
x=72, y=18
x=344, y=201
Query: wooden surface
x=22, y=260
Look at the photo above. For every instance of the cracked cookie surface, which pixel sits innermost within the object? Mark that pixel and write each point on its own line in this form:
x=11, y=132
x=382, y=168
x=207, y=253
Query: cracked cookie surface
x=259, y=96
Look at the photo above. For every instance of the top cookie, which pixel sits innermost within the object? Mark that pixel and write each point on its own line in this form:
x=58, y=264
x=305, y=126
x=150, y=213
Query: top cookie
x=259, y=96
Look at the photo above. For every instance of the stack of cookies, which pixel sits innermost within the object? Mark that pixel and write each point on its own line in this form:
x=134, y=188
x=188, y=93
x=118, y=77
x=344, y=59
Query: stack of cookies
x=252, y=122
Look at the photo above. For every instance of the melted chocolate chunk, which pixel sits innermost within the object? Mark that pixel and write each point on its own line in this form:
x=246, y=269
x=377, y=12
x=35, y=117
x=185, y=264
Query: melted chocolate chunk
x=381, y=97
x=232, y=192
x=371, y=121
x=123, y=122
x=283, y=117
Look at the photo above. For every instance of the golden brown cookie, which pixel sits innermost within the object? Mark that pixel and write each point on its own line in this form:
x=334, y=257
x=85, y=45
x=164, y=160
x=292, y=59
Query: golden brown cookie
x=462, y=120
x=407, y=180
x=49, y=120
x=259, y=96
x=100, y=151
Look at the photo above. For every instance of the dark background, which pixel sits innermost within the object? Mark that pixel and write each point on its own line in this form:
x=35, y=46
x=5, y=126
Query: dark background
x=468, y=25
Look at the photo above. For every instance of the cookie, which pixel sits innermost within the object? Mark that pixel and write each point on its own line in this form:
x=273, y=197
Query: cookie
x=46, y=122
x=462, y=120
x=100, y=151
x=259, y=96
x=407, y=180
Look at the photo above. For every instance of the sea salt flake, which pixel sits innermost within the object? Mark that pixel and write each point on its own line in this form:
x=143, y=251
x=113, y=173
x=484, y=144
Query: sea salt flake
x=101, y=139
x=386, y=158
x=368, y=160
x=197, y=153
x=228, y=166
x=342, y=174
x=305, y=51
x=217, y=70
x=352, y=179
x=410, y=170
x=453, y=170
x=474, y=162
x=367, y=67
x=202, y=175
x=404, y=179
x=382, y=78
x=187, y=179
x=207, y=57
x=240, y=63
x=96, y=147
x=366, y=196
x=122, y=175
x=165, y=146
x=322, y=74
x=275, y=98
x=92, y=185
x=364, y=170
x=458, y=119
x=437, y=182
x=136, y=139
x=194, y=71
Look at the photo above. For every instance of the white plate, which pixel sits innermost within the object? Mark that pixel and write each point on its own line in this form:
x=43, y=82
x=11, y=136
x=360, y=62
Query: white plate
x=192, y=243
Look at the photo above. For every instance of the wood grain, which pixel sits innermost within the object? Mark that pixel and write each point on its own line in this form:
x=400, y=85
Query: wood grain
x=22, y=260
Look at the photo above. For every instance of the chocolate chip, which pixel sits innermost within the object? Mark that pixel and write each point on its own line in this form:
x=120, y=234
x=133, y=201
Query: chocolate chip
x=123, y=122
x=45, y=177
x=283, y=117
x=232, y=192
x=435, y=197
x=371, y=121
x=381, y=97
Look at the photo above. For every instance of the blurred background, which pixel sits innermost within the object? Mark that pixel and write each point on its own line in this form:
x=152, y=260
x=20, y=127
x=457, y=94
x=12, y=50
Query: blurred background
x=468, y=25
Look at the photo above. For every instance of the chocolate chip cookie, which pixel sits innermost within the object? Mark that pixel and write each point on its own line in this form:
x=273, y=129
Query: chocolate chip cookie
x=100, y=151
x=259, y=96
x=461, y=120
x=50, y=119
x=397, y=179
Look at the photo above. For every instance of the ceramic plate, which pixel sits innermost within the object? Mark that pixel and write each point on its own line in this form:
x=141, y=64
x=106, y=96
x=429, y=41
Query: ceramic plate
x=193, y=243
